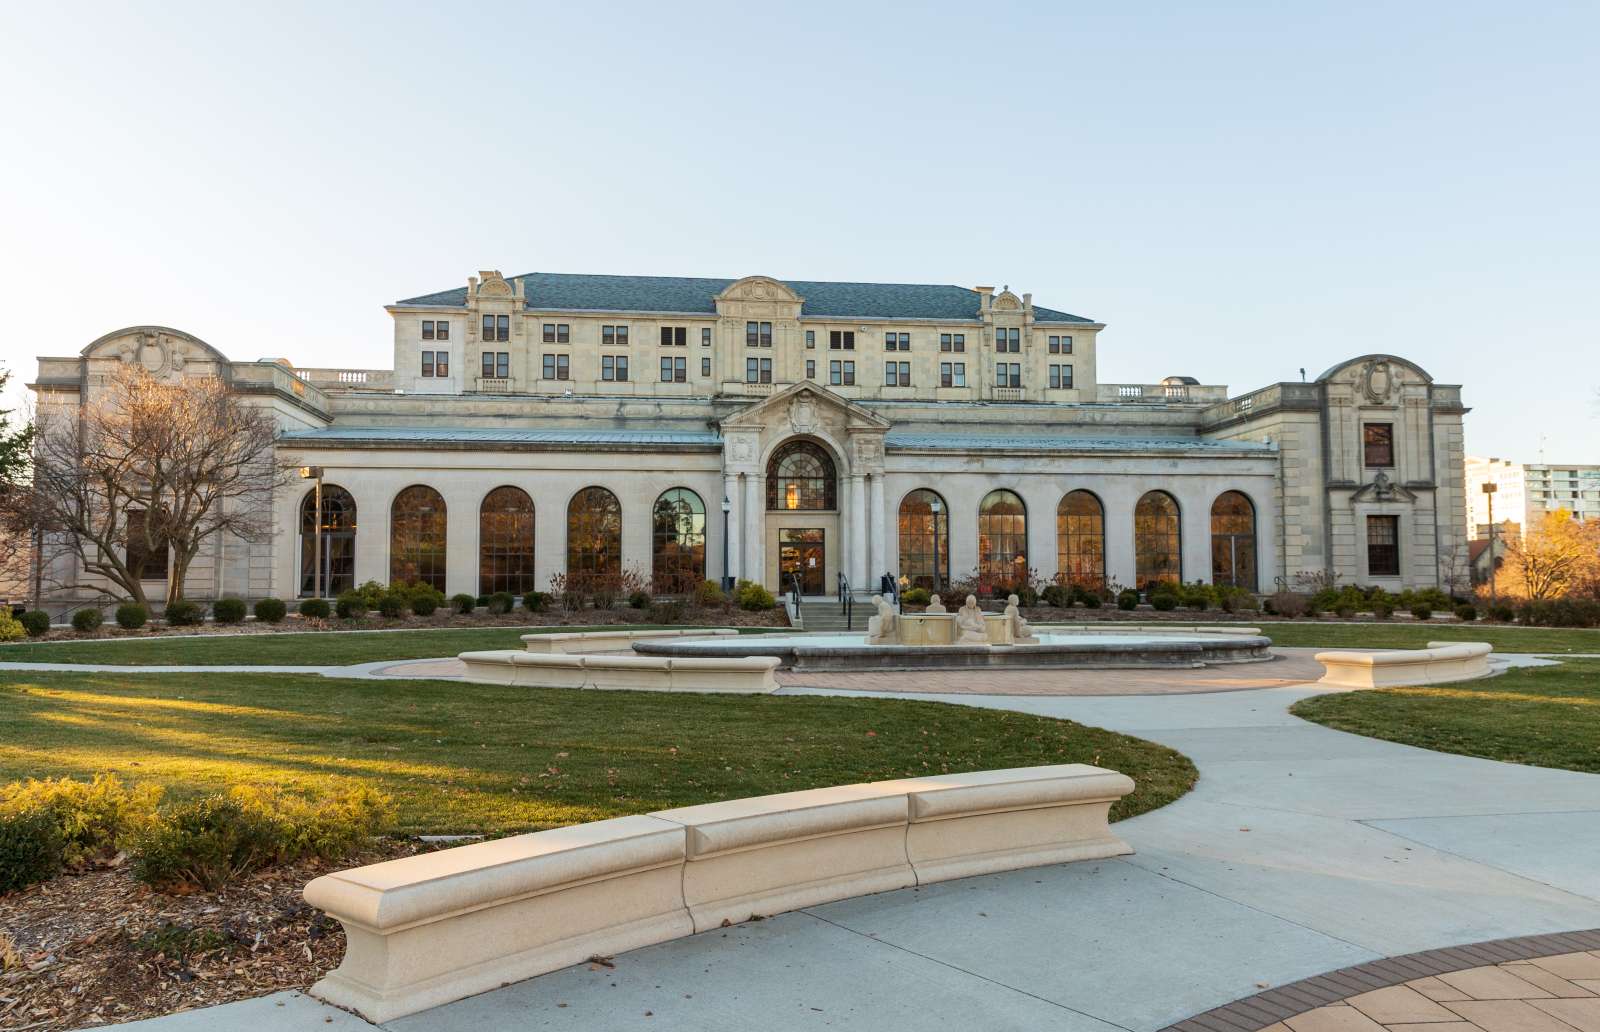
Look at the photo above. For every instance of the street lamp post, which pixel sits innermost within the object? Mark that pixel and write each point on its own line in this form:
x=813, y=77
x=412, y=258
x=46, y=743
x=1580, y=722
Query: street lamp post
x=1489, y=488
x=936, y=506
x=314, y=473
x=727, y=574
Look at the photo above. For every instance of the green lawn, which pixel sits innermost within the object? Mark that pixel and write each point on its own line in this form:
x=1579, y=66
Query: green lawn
x=461, y=757
x=305, y=649
x=1313, y=633
x=1542, y=716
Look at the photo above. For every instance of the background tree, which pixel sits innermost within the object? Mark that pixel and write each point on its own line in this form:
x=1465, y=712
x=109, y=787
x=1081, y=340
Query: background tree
x=16, y=443
x=152, y=466
x=1556, y=557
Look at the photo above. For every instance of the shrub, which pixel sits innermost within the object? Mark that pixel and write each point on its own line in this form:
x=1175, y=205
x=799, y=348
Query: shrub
x=1198, y=596
x=371, y=591
x=1560, y=612
x=131, y=616
x=709, y=593
x=1344, y=611
x=271, y=610
x=87, y=620
x=463, y=603
x=228, y=610
x=667, y=611
x=350, y=605
x=1231, y=599
x=36, y=622
x=1057, y=595
x=393, y=604
x=209, y=842
x=11, y=629
x=1502, y=612
x=604, y=590
x=1466, y=613
x=425, y=603
x=1421, y=611
x=1383, y=609
x=314, y=608
x=754, y=597
x=916, y=597
x=1085, y=597
x=1127, y=600
x=482, y=600
x=1165, y=601
x=1290, y=604
x=536, y=601
x=501, y=603
x=184, y=613
x=30, y=849
x=90, y=816
x=638, y=599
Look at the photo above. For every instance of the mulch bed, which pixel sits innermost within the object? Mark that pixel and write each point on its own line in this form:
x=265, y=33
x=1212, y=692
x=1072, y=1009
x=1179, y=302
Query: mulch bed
x=99, y=948
x=294, y=623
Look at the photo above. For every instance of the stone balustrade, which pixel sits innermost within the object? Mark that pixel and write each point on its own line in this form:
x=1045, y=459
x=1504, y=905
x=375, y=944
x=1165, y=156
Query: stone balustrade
x=1439, y=663
x=428, y=929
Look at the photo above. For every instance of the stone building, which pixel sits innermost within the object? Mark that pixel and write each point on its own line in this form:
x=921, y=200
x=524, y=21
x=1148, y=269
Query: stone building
x=829, y=433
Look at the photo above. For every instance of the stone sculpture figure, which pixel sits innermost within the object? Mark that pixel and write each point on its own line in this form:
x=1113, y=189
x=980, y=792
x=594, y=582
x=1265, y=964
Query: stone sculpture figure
x=970, y=628
x=935, y=606
x=1020, y=629
x=881, y=629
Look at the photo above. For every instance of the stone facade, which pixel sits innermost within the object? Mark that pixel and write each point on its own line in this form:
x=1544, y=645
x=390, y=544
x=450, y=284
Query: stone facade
x=1028, y=417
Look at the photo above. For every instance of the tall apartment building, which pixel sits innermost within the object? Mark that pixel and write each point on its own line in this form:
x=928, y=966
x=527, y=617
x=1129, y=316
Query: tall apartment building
x=1526, y=491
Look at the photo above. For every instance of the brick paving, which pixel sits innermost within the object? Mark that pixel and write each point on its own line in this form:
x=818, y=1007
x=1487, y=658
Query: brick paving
x=1538, y=983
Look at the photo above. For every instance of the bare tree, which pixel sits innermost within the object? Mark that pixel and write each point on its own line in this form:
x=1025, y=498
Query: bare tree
x=152, y=466
x=15, y=447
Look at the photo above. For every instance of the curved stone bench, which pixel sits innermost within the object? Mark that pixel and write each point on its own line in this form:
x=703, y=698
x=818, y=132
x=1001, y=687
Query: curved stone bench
x=611, y=641
x=747, y=675
x=1440, y=662
x=425, y=930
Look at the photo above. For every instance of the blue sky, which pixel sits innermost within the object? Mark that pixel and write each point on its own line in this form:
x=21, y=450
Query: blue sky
x=1238, y=190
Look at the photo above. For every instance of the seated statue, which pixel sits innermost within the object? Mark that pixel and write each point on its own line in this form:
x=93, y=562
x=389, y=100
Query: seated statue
x=881, y=629
x=970, y=628
x=1020, y=629
x=935, y=606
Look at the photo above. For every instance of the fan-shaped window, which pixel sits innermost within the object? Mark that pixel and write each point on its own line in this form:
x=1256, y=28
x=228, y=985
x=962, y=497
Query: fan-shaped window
x=1157, y=541
x=505, y=542
x=801, y=476
x=1233, y=541
x=594, y=536
x=338, y=552
x=925, y=540
x=417, y=524
x=1081, y=539
x=678, y=542
x=1002, y=543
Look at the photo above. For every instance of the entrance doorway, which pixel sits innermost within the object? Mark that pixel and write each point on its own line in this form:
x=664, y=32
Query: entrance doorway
x=802, y=551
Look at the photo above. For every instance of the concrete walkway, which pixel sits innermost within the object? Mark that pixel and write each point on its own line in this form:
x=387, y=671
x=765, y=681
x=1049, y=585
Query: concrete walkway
x=1302, y=850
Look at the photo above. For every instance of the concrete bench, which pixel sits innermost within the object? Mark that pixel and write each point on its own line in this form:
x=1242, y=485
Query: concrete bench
x=611, y=641
x=747, y=675
x=1439, y=663
x=428, y=929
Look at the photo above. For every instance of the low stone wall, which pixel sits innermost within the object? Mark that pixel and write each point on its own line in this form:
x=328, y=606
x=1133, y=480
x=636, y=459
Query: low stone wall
x=611, y=641
x=1440, y=662
x=741, y=675
x=425, y=930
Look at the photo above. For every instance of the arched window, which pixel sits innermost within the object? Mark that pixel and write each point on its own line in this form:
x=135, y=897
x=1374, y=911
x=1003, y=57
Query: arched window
x=338, y=541
x=925, y=540
x=417, y=523
x=801, y=476
x=1233, y=541
x=594, y=536
x=1002, y=542
x=505, y=542
x=1081, y=539
x=678, y=542
x=1157, y=542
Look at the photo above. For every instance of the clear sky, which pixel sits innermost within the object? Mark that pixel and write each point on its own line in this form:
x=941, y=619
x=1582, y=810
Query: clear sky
x=1238, y=189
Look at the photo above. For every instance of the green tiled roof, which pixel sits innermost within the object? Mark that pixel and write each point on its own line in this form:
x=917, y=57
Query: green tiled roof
x=555, y=291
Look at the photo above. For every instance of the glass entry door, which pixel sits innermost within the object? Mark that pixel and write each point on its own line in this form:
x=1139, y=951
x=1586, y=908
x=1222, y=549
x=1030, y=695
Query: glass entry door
x=803, y=553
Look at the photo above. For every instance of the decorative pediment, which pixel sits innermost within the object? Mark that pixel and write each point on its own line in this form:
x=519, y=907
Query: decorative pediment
x=758, y=288
x=1377, y=377
x=491, y=284
x=1382, y=489
x=1006, y=301
x=161, y=350
x=804, y=408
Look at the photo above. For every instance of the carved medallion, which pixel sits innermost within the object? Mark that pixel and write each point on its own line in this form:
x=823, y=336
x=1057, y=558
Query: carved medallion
x=803, y=414
x=1377, y=381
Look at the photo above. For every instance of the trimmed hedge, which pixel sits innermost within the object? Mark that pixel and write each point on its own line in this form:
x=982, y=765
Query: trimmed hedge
x=131, y=616
x=228, y=610
x=87, y=620
x=30, y=849
x=315, y=608
x=36, y=622
x=184, y=613
x=463, y=603
x=271, y=610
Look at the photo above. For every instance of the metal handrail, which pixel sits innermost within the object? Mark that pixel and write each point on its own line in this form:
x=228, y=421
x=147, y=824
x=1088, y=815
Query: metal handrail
x=894, y=589
x=794, y=589
x=846, y=603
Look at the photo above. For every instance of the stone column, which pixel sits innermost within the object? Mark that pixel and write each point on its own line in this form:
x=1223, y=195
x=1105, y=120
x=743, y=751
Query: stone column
x=735, y=549
x=880, y=558
x=858, y=531
x=754, y=526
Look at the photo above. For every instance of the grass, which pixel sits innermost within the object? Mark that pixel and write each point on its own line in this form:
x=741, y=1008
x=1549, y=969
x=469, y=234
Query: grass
x=1540, y=716
x=486, y=758
x=1313, y=634
x=319, y=648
